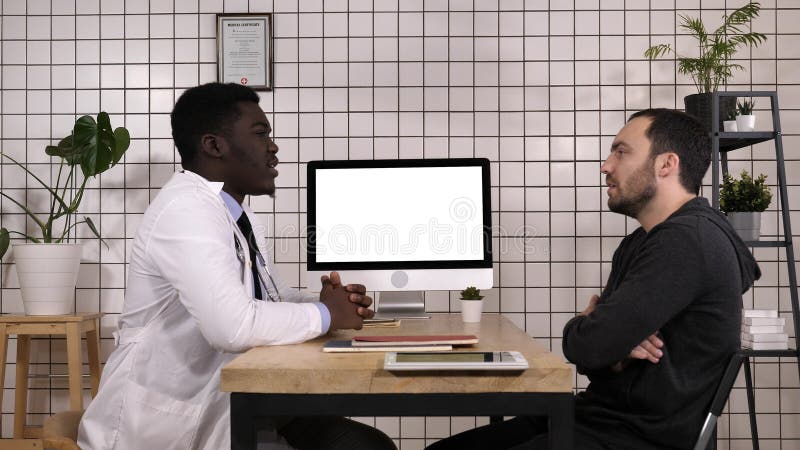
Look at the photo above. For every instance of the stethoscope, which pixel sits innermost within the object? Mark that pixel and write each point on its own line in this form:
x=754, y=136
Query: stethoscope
x=261, y=269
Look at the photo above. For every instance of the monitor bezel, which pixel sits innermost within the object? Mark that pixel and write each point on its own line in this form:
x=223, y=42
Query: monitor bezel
x=313, y=166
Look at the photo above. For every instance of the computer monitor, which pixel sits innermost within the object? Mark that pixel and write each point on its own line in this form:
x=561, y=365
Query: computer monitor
x=401, y=225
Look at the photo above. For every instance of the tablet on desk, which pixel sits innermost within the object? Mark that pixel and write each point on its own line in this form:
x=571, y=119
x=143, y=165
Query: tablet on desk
x=504, y=360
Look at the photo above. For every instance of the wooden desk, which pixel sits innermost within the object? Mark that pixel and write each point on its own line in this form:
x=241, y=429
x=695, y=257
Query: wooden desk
x=71, y=326
x=301, y=380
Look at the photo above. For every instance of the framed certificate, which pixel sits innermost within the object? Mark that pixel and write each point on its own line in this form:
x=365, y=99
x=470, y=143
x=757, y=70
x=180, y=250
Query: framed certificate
x=244, y=50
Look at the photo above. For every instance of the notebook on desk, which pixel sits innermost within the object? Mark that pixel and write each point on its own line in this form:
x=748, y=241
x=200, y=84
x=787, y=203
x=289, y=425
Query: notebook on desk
x=381, y=323
x=344, y=346
x=416, y=339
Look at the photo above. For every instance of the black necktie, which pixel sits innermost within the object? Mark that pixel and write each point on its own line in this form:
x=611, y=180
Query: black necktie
x=247, y=231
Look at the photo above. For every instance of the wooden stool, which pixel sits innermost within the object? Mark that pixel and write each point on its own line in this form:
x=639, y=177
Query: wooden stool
x=59, y=432
x=69, y=325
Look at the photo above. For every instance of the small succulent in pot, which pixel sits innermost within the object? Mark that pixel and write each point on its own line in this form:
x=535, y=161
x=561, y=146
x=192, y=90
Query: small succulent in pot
x=471, y=293
x=745, y=107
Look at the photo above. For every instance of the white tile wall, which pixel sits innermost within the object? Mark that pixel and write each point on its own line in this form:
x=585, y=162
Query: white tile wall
x=539, y=87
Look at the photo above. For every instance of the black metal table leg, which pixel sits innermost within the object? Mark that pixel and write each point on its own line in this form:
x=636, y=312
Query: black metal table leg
x=751, y=403
x=243, y=424
x=562, y=423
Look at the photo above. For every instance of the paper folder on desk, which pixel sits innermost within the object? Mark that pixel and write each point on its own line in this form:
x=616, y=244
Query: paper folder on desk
x=417, y=339
x=335, y=346
x=382, y=323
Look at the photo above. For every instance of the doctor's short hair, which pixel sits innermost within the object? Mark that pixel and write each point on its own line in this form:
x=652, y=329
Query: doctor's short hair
x=206, y=109
x=679, y=133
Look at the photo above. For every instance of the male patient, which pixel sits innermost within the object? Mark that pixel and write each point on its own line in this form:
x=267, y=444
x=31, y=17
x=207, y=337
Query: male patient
x=201, y=289
x=657, y=340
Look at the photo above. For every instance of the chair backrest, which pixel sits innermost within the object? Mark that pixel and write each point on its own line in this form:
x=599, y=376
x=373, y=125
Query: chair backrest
x=718, y=402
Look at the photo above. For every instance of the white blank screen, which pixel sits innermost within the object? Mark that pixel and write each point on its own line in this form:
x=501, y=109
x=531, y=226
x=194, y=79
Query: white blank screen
x=399, y=214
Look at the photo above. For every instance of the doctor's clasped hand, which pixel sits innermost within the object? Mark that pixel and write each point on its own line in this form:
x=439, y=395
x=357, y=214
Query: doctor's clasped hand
x=348, y=305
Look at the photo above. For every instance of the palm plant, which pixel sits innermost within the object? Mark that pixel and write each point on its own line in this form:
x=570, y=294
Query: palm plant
x=713, y=66
x=94, y=147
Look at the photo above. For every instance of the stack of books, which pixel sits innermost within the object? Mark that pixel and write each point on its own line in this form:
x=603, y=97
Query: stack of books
x=762, y=329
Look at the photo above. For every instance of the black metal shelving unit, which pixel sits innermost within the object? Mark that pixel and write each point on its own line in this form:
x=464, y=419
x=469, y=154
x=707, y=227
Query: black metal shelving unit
x=722, y=143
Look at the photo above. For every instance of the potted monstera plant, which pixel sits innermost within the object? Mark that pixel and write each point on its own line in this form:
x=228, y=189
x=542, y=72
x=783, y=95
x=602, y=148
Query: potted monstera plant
x=47, y=263
x=743, y=201
x=471, y=304
x=713, y=65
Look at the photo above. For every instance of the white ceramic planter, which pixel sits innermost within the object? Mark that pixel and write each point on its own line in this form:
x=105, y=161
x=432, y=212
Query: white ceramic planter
x=729, y=125
x=746, y=224
x=471, y=310
x=746, y=123
x=47, y=276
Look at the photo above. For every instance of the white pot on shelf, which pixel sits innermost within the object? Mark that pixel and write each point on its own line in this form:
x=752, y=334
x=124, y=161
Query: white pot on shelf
x=746, y=224
x=471, y=310
x=746, y=123
x=729, y=126
x=47, y=276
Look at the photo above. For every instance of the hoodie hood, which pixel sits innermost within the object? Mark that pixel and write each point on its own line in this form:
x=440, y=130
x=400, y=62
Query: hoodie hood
x=747, y=263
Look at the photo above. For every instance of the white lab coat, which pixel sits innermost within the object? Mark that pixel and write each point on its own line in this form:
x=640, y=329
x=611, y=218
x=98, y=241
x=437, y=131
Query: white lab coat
x=188, y=310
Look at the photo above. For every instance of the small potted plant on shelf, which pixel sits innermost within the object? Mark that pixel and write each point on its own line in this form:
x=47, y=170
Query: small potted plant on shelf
x=745, y=121
x=743, y=201
x=471, y=304
x=714, y=65
x=730, y=122
x=47, y=264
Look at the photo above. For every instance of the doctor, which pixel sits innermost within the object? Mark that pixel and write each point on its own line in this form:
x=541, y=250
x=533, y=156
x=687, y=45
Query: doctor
x=200, y=290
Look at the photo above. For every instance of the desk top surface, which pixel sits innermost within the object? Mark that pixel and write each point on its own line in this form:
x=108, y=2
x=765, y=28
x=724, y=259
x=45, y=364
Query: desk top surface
x=305, y=368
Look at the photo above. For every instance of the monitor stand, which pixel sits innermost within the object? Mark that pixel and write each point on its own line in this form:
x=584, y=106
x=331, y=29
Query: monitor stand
x=400, y=305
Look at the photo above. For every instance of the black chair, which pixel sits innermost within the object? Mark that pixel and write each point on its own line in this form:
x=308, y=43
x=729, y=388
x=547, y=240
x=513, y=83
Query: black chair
x=709, y=430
